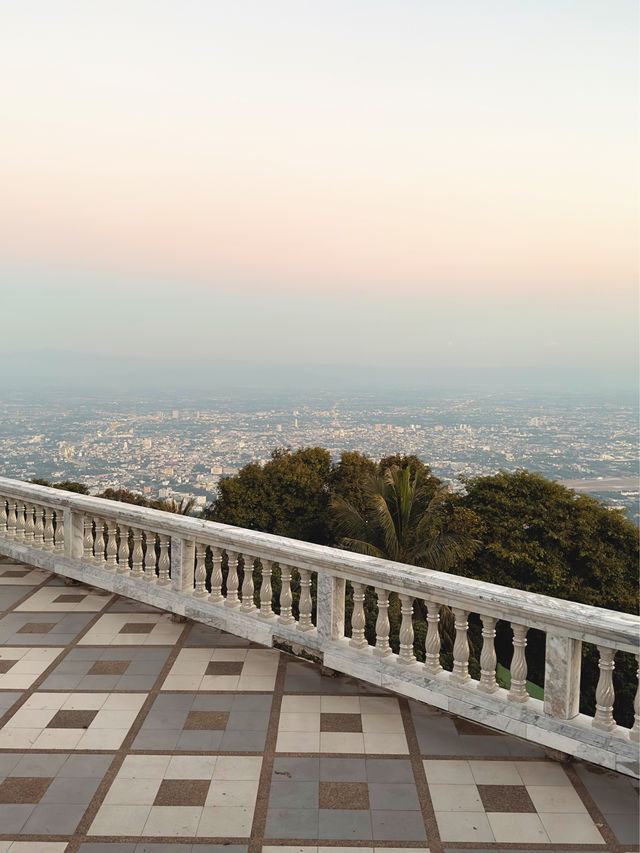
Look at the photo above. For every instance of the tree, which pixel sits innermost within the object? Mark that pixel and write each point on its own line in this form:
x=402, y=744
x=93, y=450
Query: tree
x=65, y=485
x=124, y=496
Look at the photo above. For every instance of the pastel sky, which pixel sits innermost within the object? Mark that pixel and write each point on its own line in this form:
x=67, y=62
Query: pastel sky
x=309, y=178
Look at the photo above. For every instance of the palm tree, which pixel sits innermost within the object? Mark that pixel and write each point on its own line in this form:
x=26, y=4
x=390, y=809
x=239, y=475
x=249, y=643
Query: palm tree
x=404, y=520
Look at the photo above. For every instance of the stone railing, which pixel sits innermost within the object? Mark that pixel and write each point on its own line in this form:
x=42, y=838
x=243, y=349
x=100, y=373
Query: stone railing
x=197, y=568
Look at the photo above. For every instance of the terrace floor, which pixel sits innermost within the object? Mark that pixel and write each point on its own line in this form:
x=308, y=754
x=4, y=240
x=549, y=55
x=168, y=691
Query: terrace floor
x=123, y=731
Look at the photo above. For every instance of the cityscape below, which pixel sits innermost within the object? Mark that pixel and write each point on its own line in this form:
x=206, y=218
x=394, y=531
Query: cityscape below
x=179, y=447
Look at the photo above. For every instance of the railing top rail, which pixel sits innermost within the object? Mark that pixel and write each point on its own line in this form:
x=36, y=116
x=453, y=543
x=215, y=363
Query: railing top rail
x=594, y=624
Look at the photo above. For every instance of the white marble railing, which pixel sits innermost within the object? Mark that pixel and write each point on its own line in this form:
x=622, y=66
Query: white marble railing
x=197, y=569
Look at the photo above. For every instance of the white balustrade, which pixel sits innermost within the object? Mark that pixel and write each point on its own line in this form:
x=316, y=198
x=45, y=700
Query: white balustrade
x=91, y=539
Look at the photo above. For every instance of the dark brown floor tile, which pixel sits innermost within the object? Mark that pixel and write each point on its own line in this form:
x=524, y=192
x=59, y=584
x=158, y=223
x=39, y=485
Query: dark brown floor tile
x=343, y=795
x=109, y=667
x=5, y=665
x=69, y=599
x=505, y=798
x=182, y=792
x=340, y=723
x=210, y=721
x=23, y=789
x=36, y=628
x=466, y=727
x=72, y=720
x=224, y=667
x=15, y=573
x=136, y=628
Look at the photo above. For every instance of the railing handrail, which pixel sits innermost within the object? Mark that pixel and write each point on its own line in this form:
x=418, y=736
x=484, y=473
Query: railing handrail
x=566, y=618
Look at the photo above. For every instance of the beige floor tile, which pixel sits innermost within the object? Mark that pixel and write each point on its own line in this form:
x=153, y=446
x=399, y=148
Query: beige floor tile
x=237, y=767
x=27, y=719
x=191, y=767
x=122, y=792
x=341, y=742
x=379, y=705
x=84, y=701
x=173, y=821
x=516, y=828
x=226, y=654
x=225, y=821
x=302, y=704
x=144, y=767
x=267, y=848
x=120, y=820
x=548, y=798
x=124, y=701
x=107, y=718
x=382, y=723
x=232, y=793
x=102, y=738
x=464, y=826
x=220, y=682
x=18, y=738
x=256, y=683
x=447, y=772
x=182, y=682
x=299, y=722
x=298, y=742
x=339, y=704
x=42, y=701
x=59, y=739
x=543, y=773
x=570, y=829
x=455, y=798
x=189, y=667
x=495, y=773
x=389, y=743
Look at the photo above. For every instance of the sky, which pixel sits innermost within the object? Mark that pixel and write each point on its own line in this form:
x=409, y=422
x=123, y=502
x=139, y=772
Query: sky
x=403, y=184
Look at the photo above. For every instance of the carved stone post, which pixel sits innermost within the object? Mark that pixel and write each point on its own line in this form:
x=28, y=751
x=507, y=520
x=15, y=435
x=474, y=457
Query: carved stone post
x=200, y=590
x=182, y=560
x=432, y=642
x=382, y=648
x=29, y=525
x=38, y=530
x=247, y=585
x=87, y=542
x=488, y=660
x=266, y=592
x=603, y=718
x=20, y=520
x=518, y=691
x=112, y=546
x=11, y=519
x=123, y=550
x=98, y=545
x=150, y=557
x=232, y=599
x=330, y=607
x=48, y=528
x=138, y=555
x=216, y=575
x=460, y=674
x=358, y=639
x=164, y=562
x=59, y=534
x=305, y=604
x=286, y=599
x=406, y=655
x=634, y=734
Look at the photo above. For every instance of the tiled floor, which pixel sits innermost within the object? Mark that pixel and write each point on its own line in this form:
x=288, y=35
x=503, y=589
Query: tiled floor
x=123, y=731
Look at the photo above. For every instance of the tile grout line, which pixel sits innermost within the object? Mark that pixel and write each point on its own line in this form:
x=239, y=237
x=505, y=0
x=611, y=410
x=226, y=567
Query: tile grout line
x=594, y=812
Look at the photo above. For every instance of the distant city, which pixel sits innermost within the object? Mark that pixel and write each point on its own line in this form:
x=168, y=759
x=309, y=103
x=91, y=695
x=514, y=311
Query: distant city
x=169, y=447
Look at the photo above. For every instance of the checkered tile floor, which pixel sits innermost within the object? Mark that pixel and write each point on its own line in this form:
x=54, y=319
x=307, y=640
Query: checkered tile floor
x=123, y=731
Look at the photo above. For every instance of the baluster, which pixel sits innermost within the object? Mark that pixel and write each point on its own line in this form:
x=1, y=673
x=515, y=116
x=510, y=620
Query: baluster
x=266, y=592
x=4, y=511
x=11, y=518
x=200, y=590
x=138, y=555
x=216, y=575
x=87, y=541
x=382, y=648
x=518, y=691
x=59, y=534
x=150, y=557
x=460, y=672
x=38, y=530
x=286, y=599
x=305, y=606
x=603, y=718
x=112, y=546
x=20, y=519
x=488, y=660
x=406, y=655
x=232, y=599
x=247, y=585
x=432, y=641
x=29, y=525
x=634, y=734
x=48, y=528
x=98, y=545
x=123, y=550
x=164, y=561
